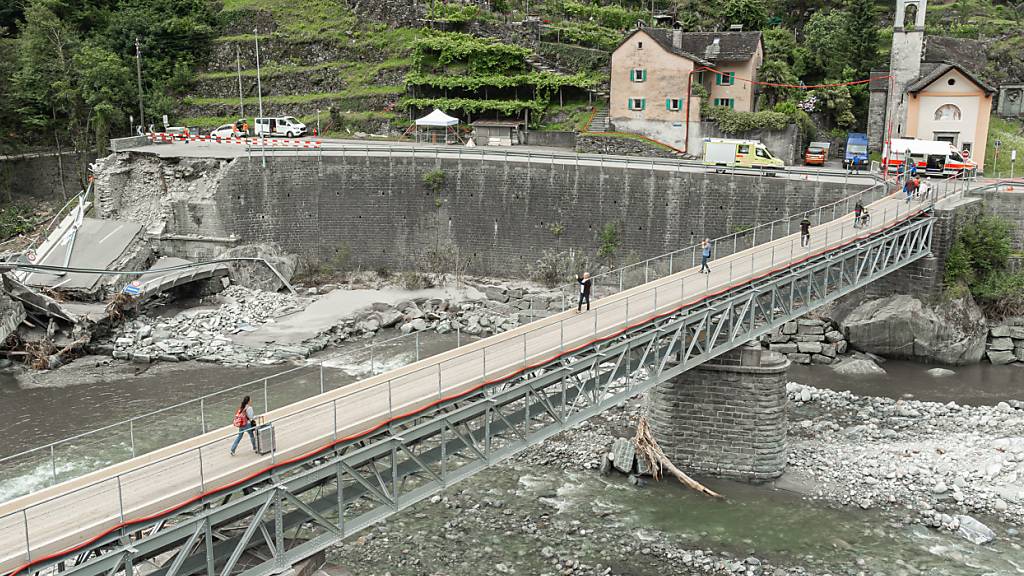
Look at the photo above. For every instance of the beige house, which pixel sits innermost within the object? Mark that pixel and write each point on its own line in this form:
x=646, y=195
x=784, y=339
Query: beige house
x=653, y=67
x=950, y=104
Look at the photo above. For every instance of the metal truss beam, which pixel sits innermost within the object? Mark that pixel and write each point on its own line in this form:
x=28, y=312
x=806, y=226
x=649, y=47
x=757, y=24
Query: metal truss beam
x=306, y=508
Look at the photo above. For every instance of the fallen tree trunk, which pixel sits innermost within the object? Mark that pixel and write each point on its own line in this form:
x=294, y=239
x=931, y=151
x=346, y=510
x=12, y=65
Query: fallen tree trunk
x=647, y=448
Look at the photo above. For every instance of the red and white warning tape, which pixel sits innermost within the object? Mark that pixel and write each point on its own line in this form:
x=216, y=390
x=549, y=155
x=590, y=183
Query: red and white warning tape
x=277, y=142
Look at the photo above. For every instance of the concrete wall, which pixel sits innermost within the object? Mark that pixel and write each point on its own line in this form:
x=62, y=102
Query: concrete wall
x=38, y=176
x=554, y=139
x=726, y=417
x=500, y=214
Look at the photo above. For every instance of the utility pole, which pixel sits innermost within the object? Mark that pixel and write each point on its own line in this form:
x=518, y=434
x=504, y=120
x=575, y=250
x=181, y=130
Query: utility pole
x=259, y=92
x=238, y=65
x=138, y=75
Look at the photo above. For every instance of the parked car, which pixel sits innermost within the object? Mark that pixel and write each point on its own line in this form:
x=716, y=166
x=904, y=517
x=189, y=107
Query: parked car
x=226, y=131
x=726, y=153
x=283, y=126
x=815, y=155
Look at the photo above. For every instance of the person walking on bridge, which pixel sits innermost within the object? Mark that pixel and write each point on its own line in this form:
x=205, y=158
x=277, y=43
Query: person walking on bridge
x=585, y=285
x=805, y=232
x=858, y=210
x=705, y=255
x=245, y=421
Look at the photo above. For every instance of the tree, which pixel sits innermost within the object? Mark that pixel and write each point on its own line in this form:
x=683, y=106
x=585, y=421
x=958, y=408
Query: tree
x=776, y=72
x=105, y=83
x=827, y=40
x=752, y=14
x=862, y=30
x=779, y=44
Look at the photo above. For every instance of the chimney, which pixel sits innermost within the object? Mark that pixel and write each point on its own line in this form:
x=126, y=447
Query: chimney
x=736, y=28
x=677, y=39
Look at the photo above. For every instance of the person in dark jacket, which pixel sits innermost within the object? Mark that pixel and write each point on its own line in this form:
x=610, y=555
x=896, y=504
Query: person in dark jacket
x=805, y=232
x=857, y=211
x=585, y=284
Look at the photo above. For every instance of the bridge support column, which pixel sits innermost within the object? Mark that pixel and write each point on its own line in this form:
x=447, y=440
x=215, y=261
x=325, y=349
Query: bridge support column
x=726, y=417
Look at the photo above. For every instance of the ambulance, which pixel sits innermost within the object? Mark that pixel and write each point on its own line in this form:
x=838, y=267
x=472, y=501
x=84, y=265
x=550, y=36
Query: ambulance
x=726, y=153
x=932, y=157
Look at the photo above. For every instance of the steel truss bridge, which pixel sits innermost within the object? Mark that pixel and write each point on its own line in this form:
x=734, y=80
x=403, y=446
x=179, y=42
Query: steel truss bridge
x=302, y=502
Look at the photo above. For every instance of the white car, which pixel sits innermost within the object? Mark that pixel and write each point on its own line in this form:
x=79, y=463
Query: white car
x=282, y=126
x=226, y=131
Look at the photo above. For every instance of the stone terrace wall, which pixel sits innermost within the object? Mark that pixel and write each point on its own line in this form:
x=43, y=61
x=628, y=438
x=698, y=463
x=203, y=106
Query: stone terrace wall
x=1010, y=207
x=502, y=215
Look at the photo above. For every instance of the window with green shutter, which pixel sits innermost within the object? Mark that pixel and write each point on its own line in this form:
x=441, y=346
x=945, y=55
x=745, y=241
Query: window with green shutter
x=726, y=79
x=727, y=102
x=638, y=75
x=700, y=77
x=673, y=104
x=637, y=104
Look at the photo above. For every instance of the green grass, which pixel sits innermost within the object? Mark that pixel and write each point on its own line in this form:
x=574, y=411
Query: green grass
x=357, y=92
x=299, y=20
x=1011, y=133
x=573, y=116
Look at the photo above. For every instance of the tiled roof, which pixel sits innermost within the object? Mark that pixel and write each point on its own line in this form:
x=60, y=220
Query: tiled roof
x=925, y=80
x=732, y=46
x=663, y=37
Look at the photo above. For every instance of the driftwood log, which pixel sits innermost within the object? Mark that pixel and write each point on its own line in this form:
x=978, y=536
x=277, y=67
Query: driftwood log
x=647, y=448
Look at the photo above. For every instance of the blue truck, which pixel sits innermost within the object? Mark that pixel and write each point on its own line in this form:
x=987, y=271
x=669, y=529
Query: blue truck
x=856, y=156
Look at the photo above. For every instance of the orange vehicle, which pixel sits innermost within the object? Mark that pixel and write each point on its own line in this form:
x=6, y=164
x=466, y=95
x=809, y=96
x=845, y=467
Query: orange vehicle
x=815, y=155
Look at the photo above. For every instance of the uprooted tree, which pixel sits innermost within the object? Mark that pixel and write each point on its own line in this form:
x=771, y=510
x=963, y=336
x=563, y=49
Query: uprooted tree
x=647, y=448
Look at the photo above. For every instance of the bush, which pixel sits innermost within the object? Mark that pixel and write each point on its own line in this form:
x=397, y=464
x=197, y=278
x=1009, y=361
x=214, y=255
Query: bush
x=609, y=242
x=414, y=280
x=555, y=268
x=15, y=220
x=434, y=180
x=977, y=259
x=733, y=122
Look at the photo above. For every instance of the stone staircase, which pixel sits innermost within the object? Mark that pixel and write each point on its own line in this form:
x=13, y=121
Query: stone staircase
x=599, y=122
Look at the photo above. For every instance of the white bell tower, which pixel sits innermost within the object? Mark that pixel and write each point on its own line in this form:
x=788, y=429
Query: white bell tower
x=905, y=58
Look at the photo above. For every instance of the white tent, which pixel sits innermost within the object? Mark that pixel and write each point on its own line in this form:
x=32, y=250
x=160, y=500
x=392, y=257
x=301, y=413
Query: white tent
x=437, y=118
x=436, y=128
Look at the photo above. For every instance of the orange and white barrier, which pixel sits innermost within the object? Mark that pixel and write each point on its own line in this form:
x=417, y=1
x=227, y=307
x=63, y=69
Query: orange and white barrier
x=275, y=142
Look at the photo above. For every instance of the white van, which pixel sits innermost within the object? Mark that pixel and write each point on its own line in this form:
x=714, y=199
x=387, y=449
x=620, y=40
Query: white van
x=283, y=126
x=932, y=157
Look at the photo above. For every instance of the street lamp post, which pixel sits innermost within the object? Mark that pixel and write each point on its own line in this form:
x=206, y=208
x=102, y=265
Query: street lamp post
x=318, y=122
x=259, y=93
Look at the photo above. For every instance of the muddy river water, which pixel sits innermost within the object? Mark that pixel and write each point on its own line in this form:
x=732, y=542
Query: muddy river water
x=38, y=409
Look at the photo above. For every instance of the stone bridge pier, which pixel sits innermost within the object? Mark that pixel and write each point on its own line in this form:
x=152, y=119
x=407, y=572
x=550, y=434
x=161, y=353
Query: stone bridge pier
x=726, y=417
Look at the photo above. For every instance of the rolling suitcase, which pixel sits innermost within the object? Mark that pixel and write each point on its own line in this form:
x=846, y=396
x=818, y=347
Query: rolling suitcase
x=265, y=443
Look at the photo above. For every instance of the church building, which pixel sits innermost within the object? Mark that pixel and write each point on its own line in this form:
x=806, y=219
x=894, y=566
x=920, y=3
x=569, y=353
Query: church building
x=927, y=100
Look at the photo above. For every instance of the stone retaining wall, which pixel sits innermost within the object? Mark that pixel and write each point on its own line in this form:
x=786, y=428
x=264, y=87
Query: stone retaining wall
x=726, y=417
x=1006, y=342
x=499, y=216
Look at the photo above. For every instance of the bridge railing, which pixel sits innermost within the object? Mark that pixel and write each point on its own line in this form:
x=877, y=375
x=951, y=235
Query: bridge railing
x=50, y=464
x=355, y=410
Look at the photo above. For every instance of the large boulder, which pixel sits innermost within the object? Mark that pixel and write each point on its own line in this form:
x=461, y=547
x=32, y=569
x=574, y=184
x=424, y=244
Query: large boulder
x=255, y=274
x=902, y=326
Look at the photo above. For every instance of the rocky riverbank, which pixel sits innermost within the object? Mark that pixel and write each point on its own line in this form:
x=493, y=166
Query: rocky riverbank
x=208, y=333
x=924, y=468
x=939, y=462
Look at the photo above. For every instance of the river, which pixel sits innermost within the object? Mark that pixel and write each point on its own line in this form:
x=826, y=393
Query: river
x=780, y=526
